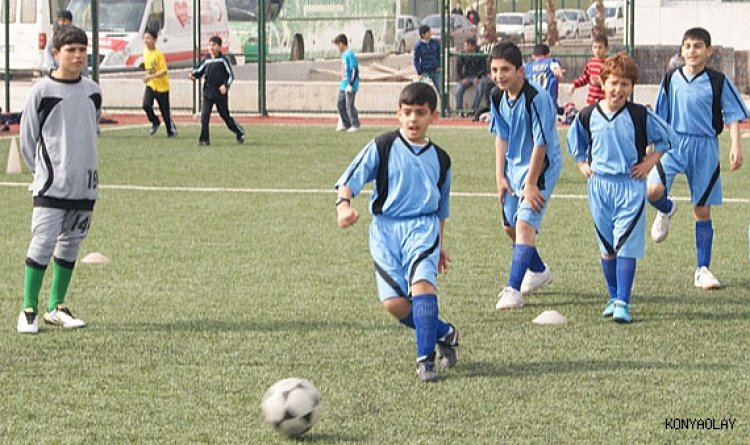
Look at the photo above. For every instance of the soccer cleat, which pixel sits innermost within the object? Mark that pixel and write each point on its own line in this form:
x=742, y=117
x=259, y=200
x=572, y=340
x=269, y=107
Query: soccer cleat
x=27, y=323
x=63, y=317
x=447, y=348
x=533, y=281
x=705, y=279
x=203, y=143
x=509, y=299
x=352, y=130
x=660, y=228
x=154, y=129
x=241, y=138
x=426, y=369
x=610, y=309
x=621, y=313
x=340, y=126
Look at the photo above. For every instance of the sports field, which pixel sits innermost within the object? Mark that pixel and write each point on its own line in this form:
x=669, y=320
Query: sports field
x=229, y=273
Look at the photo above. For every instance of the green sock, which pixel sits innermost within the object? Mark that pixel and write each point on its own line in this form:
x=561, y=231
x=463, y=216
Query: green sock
x=61, y=276
x=32, y=284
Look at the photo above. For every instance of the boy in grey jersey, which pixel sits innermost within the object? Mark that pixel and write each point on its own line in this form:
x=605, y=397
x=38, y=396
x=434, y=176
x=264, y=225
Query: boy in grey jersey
x=58, y=144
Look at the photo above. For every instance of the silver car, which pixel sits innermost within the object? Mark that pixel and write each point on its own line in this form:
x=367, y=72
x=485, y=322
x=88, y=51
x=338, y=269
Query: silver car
x=573, y=23
x=509, y=26
x=407, y=33
x=461, y=28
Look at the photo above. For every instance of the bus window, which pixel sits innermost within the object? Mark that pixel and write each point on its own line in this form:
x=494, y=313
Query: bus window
x=156, y=16
x=28, y=11
x=12, y=11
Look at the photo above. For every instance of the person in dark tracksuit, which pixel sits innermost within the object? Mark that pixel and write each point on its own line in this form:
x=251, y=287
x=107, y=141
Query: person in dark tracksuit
x=218, y=77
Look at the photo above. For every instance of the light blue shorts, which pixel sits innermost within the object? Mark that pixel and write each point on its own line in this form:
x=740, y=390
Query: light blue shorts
x=515, y=208
x=617, y=205
x=404, y=251
x=698, y=158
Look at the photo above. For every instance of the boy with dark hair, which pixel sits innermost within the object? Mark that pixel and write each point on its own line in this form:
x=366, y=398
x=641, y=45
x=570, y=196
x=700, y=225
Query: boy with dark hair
x=410, y=203
x=427, y=57
x=58, y=143
x=527, y=165
x=545, y=70
x=348, y=86
x=218, y=77
x=697, y=102
x=592, y=70
x=471, y=69
x=608, y=141
x=157, y=85
x=64, y=18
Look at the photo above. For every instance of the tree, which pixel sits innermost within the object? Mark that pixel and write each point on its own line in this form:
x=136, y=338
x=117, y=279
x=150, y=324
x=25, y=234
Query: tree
x=599, y=28
x=490, y=32
x=552, y=35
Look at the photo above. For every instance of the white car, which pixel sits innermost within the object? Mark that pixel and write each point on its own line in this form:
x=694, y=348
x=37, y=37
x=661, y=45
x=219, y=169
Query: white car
x=407, y=33
x=529, y=29
x=509, y=26
x=573, y=23
x=614, y=16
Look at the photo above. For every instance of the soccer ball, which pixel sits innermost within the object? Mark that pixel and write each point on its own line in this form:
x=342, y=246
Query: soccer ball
x=292, y=406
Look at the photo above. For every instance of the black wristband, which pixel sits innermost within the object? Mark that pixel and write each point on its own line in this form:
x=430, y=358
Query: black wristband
x=340, y=200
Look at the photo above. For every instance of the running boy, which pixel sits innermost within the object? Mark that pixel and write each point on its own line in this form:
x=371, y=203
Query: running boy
x=592, y=70
x=157, y=85
x=58, y=143
x=218, y=77
x=608, y=141
x=410, y=203
x=527, y=165
x=697, y=101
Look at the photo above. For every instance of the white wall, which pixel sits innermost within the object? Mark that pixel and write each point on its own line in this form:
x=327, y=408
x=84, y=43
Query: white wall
x=662, y=22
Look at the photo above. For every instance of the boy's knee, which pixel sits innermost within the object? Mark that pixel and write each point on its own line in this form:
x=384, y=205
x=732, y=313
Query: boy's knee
x=67, y=250
x=41, y=249
x=654, y=191
x=510, y=231
x=399, y=307
x=702, y=213
x=422, y=287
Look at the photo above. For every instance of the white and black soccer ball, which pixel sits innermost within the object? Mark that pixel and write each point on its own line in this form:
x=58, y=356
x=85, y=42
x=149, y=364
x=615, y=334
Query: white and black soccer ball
x=291, y=406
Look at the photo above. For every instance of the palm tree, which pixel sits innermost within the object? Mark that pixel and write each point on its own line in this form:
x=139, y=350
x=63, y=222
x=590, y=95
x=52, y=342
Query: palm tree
x=552, y=35
x=599, y=29
x=490, y=32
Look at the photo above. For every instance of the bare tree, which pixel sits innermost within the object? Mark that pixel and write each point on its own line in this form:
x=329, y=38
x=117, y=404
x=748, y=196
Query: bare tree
x=599, y=28
x=490, y=32
x=552, y=35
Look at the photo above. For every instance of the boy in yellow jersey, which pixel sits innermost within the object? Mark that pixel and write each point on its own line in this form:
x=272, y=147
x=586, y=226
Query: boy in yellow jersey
x=157, y=85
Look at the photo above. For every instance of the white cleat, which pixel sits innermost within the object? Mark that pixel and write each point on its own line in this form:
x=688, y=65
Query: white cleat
x=509, y=299
x=705, y=280
x=27, y=323
x=533, y=281
x=352, y=130
x=660, y=228
x=63, y=317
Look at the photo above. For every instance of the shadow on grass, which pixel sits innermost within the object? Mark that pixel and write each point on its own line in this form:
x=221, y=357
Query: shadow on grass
x=490, y=369
x=328, y=438
x=206, y=325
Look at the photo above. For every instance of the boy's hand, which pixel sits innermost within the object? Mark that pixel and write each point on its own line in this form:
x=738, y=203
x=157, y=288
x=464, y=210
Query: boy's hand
x=223, y=90
x=190, y=75
x=502, y=188
x=349, y=89
x=443, y=261
x=596, y=81
x=346, y=215
x=532, y=195
x=585, y=169
x=642, y=169
x=572, y=90
x=735, y=158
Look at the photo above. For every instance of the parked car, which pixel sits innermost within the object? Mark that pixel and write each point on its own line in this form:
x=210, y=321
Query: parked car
x=509, y=26
x=407, y=33
x=528, y=25
x=461, y=28
x=573, y=23
x=614, y=16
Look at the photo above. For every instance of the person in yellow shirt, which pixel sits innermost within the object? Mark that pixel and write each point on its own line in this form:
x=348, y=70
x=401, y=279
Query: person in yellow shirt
x=157, y=85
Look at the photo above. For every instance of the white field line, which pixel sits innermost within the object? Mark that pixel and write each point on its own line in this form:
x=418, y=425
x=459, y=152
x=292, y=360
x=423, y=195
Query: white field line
x=148, y=188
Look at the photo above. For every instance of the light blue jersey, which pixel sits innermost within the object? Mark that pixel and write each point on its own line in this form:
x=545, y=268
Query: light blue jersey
x=524, y=128
x=410, y=198
x=349, y=71
x=609, y=144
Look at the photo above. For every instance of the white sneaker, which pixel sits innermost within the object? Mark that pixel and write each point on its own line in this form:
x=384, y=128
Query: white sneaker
x=352, y=130
x=340, y=126
x=509, y=299
x=533, y=281
x=62, y=317
x=660, y=228
x=705, y=279
x=27, y=323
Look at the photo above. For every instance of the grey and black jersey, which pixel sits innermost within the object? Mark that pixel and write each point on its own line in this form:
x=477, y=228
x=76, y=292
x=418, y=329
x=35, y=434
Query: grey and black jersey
x=58, y=142
x=216, y=71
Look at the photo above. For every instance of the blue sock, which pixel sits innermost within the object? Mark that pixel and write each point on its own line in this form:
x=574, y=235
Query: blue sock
x=625, y=277
x=522, y=254
x=442, y=327
x=536, y=264
x=663, y=204
x=609, y=267
x=425, y=309
x=704, y=239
